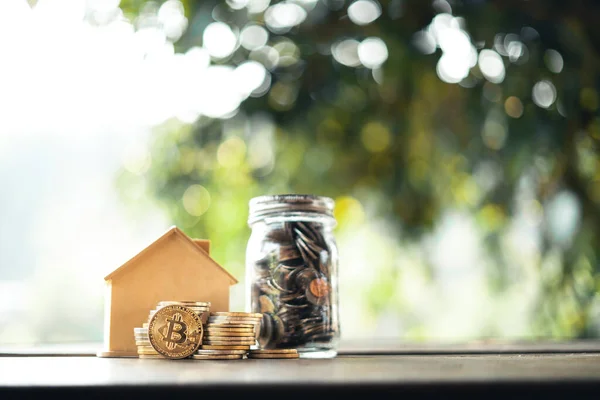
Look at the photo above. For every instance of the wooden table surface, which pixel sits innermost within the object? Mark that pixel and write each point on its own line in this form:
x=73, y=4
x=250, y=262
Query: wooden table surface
x=426, y=374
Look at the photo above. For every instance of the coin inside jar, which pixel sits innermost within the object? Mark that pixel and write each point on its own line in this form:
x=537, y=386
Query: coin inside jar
x=282, y=278
x=266, y=304
x=317, y=291
x=289, y=253
x=297, y=292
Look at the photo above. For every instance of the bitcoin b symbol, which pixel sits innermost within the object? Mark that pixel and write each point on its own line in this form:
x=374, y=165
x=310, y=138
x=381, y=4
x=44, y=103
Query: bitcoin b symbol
x=175, y=331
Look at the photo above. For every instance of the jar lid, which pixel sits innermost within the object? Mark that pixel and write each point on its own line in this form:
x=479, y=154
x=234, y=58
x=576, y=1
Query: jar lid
x=264, y=206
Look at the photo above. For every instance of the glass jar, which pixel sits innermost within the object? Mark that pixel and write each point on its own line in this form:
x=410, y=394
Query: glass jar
x=292, y=273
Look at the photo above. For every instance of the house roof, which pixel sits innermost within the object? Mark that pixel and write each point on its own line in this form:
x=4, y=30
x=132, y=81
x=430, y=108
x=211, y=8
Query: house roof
x=172, y=231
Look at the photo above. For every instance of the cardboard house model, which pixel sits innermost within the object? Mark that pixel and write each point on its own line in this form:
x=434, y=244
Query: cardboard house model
x=173, y=267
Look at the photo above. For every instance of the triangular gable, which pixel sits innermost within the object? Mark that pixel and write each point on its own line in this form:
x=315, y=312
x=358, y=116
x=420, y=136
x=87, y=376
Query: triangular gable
x=172, y=231
x=200, y=250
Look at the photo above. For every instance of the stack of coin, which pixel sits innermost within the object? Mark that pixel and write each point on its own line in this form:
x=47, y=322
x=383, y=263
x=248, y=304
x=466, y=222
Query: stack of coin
x=228, y=333
x=230, y=354
x=201, y=308
x=237, y=318
x=144, y=348
x=273, y=353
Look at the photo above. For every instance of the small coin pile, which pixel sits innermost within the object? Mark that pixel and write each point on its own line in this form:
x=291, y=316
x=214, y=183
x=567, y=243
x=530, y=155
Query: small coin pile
x=229, y=335
x=144, y=348
x=273, y=353
x=171, y=328
x=236, y=318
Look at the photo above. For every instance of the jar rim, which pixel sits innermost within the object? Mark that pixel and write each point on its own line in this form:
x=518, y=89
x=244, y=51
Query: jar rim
x=268, y=205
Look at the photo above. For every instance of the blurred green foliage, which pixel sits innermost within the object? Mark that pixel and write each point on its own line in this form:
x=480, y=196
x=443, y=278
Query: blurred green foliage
x=403, y=141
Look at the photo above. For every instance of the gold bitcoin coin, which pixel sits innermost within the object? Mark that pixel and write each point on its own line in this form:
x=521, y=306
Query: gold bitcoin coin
x=217, y=356
x=220, y=347
x=175, y=331
x=235, y=314
x=271, y=356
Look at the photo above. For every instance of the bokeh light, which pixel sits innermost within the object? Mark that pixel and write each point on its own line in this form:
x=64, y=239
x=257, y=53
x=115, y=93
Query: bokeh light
x=254, y=37
x=196, y=200
x=375, y=136
x=266, y=55
x=219, y=40
x=544, y=93
x=346, y=52
x=513, y=107
x=171, y=16
x=363, y=12
x=553, y=60
x=425, y=42
x=231, y=152
x=459, y=54
x=563, y=217
x=281, y=17
x=452, y=69
x=249, y=76
x=491, y=66
x=494, y=131
x=372, y=52
x=257, y=6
